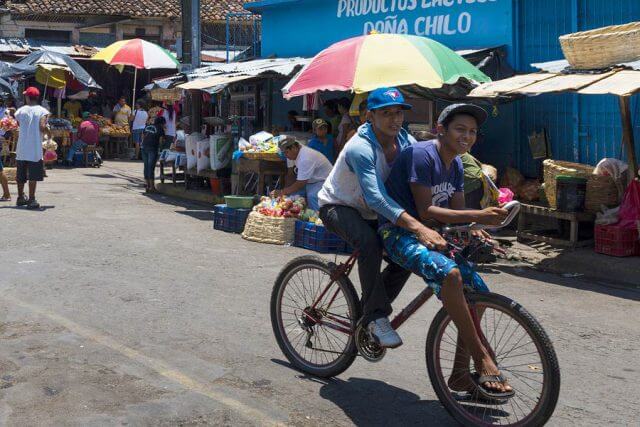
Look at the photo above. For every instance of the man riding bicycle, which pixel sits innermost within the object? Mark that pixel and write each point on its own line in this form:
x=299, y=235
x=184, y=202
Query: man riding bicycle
x=354, y=195
x=427, y=181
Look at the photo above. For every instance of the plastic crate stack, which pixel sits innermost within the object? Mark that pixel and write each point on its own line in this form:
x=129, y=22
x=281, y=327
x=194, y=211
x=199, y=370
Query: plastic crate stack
x=229, y=219
x=617, y=241
x=318, y=238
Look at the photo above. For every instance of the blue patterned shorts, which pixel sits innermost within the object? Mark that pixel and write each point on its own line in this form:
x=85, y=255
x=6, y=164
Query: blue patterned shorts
x=406, y=251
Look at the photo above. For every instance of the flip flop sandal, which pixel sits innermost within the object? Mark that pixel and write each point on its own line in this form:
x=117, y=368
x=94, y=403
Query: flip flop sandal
x=5, y=199
x=487, y=393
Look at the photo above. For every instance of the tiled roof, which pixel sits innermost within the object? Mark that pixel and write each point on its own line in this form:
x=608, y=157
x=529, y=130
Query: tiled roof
x=211, y=10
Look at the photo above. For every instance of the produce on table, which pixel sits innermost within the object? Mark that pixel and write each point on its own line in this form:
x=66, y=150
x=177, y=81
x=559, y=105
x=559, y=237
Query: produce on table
x=287, y=207
x=59, y=124
x=8, y=123
x=101, y=121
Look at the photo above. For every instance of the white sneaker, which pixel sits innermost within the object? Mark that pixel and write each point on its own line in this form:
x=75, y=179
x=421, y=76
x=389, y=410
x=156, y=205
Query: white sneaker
x=382, y=332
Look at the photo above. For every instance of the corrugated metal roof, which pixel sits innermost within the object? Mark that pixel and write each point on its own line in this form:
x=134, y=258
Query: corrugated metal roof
x=282, y=66
x=560, y=65
x=14, y=45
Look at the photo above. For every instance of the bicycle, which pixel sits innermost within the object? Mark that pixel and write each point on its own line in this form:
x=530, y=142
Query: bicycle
x=317, y=329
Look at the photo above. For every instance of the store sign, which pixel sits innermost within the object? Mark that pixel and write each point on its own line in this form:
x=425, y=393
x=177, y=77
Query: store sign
x=426, y=17
x=459, y=24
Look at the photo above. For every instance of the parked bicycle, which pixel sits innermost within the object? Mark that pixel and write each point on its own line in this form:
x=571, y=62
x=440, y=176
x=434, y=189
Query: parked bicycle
x=315, y=311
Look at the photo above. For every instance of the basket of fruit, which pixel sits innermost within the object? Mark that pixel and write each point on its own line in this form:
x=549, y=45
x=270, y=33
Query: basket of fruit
x=274, y=220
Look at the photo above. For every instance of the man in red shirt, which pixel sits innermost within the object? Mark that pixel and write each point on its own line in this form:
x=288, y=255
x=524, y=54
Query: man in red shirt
x=88, y=134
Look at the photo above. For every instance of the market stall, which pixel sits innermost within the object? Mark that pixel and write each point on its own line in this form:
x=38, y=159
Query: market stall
x=573, y=192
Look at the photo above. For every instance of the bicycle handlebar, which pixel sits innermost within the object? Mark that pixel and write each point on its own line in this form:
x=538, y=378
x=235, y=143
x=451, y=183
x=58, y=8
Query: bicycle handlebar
x=513, y=207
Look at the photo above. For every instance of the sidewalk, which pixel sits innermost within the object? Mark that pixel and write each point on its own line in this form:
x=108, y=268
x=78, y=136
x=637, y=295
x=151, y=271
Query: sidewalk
x=581, y=262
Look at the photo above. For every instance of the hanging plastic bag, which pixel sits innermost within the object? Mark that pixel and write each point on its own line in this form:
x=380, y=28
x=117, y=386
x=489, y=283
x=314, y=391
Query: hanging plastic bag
x=630, y=207
x=506, y=195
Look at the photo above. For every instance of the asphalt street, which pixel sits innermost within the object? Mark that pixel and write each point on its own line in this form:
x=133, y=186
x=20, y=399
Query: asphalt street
x=118, y=308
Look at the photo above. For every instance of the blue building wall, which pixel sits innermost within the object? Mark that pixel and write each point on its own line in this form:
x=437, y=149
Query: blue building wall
x=581, y=128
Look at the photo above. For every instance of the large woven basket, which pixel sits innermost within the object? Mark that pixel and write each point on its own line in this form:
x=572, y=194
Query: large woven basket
x=601, y=190
x=267, y=229
x=602, y=47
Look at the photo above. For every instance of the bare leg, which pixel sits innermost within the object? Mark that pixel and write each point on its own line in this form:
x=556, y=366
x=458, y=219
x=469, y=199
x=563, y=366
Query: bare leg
x=456, y=305
x=20, y=189
x=32, y=189
x=460, y=379
x=5, y=185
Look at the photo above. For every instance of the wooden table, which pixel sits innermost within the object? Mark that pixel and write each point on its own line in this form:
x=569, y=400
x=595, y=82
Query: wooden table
x=574, y=219
x=262, y=168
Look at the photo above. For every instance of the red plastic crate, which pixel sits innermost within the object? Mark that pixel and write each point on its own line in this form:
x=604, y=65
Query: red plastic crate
x=617, y=241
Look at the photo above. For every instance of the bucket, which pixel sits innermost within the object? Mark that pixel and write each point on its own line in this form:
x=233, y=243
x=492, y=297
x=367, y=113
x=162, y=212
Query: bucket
x=220, y=186
x=570, y=193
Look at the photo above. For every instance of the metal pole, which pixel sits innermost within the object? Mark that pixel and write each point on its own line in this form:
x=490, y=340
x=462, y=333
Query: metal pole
x=135, y=78
x=627, y=133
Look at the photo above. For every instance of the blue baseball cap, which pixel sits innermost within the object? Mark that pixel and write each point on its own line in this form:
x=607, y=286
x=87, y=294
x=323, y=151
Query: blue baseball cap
x=386, y=97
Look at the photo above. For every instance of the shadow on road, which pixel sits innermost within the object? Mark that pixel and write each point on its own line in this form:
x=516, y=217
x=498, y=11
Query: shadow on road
x=201, y=211
x=583, y=284
x=22, y=208
x=375, y=403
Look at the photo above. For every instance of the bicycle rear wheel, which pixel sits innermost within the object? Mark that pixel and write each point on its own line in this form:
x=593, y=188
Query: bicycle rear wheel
x=307, y=335
x=523, y=353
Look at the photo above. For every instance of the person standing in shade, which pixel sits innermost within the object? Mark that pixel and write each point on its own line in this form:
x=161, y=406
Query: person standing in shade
x=346, y=123
x=138, y=123
x=150, y=146
x=32, y=119
x=322, y=140
x=333, y=116
x=169, y=115
x=121, y=112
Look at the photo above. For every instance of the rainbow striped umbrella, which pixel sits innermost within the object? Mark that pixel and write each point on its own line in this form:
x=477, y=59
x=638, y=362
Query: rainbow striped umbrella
x=364, y=63
x=137, y=53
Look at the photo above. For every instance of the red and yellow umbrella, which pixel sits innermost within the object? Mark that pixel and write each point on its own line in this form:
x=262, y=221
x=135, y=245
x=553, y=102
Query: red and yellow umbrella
x=137, y=53
x=364, y=63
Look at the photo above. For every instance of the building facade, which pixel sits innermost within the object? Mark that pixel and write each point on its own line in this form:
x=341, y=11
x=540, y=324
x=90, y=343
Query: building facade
x=581, y=128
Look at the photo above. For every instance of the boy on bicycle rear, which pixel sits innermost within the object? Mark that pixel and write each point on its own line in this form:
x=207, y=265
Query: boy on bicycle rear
x=354, y=195
x=427, y=182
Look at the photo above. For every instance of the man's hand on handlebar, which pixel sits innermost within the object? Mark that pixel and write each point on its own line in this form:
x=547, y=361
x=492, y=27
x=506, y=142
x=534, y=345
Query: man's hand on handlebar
x=493, y=216
x=431, y=238
x=482, y=235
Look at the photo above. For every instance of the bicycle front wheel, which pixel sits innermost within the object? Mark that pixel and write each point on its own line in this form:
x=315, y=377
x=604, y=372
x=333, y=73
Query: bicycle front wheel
x=523, y=353
x=313, y=319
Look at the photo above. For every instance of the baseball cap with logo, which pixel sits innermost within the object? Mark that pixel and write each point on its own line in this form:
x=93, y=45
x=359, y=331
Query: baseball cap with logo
x=319, y=123
x=31, y=92
x=386, y=97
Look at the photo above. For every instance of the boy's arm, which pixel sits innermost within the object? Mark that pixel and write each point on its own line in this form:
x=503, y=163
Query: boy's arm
x=422, y=197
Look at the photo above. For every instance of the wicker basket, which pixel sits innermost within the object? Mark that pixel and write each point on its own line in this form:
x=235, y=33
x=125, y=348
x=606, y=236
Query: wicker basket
x=602, y=47
x=272, y=157
x=601, y=190
x=269, y=229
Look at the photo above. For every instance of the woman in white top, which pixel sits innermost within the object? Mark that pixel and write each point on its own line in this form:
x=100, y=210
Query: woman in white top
x=346, y=124
x=169, y=115
x=138, y=123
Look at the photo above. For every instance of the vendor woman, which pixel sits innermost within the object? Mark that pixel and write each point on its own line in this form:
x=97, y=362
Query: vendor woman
x=312, y=170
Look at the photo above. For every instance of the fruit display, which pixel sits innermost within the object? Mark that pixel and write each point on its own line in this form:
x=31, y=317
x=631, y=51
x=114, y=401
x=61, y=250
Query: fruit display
x=287, y=207
x=8, y=123
x=75, y=122
x=101, y=121
x=310, y=215
x=115, y=130
x=262, y=142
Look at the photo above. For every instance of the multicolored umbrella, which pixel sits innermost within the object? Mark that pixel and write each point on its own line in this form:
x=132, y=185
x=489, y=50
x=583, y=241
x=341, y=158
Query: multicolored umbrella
x=137, y=53
x=364, y=63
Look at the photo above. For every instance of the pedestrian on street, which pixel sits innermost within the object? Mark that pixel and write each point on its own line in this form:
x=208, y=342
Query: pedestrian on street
x=6, y=195
x=32, y=119
x=169, y=115
x=150, y=146
x=354, y=195
x=138, y=123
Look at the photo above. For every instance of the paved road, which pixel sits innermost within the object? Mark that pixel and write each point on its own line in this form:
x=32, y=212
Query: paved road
x=121, y=309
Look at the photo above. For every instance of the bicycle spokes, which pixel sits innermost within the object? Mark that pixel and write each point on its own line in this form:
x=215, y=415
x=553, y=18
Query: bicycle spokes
x=517, y=357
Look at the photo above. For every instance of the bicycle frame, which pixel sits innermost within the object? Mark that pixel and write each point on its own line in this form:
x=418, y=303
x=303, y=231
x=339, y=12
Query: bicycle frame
x=340, y=325
x=343, y=270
